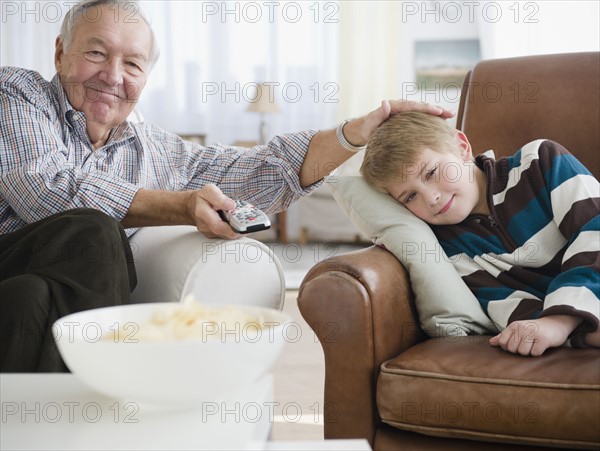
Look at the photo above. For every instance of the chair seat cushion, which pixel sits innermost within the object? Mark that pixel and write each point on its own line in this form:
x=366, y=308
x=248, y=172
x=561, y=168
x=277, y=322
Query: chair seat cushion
x=463, y=387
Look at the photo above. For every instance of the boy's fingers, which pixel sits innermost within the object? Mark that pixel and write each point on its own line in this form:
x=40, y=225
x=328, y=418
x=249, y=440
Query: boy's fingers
x=537, y=349
x=513, y=344
x=525, y=347
x=494, y=341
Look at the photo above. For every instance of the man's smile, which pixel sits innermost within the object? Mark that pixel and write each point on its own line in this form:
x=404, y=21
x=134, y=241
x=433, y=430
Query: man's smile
x=94, y=93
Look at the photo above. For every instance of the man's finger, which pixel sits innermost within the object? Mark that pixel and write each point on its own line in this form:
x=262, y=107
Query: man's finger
x=213, y=195
x=400, y=105
x=210, y=199
x=213, y=226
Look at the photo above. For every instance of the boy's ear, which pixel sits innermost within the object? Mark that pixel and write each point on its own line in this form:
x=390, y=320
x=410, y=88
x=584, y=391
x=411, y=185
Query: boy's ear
x=464, y=146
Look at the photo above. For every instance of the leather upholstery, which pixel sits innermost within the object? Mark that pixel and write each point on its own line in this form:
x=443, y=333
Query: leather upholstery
x=512, y=101
x=456, y=393
x=491, y=394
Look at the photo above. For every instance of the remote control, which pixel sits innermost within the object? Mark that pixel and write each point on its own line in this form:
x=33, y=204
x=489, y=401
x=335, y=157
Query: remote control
x=245, y=218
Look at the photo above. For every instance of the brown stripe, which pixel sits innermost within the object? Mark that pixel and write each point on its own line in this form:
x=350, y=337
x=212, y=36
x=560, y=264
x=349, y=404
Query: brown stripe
x=523, y=279
x=581, y=213
x=589, y=324
x=500, y=174
x=482, y=279
x=583, y=259
x=473, y=224
x=520, y=196
x=531, y=180
x=527, y=309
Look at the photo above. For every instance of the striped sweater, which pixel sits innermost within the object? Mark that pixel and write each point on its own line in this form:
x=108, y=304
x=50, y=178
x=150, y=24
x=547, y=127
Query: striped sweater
x=538, y=252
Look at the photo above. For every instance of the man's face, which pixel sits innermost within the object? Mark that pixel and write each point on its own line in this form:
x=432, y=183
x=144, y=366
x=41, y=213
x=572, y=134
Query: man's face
x=106, y=67
x=441, y=188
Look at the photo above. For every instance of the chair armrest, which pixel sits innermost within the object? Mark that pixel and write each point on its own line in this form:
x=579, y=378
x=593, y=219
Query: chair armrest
x=361, y=307
x=175, y=261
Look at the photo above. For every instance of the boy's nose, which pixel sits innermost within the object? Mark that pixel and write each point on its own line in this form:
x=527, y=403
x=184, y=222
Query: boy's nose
x=433, y=197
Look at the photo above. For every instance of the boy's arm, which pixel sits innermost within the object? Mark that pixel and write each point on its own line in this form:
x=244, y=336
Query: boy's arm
x=575, y=201
x=533, y=337
x=571, y=306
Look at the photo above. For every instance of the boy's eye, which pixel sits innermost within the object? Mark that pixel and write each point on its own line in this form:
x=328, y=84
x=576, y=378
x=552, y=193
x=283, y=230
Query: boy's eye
x=409, y=198
x=431, y=173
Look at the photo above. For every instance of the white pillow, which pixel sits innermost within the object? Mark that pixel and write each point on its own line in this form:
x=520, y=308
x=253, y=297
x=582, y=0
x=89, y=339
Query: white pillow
x=444, y=303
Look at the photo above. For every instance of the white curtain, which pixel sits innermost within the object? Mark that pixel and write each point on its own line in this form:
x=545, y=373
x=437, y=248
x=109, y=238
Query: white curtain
x=325, y=60
x=509, y=29
x=214, y=53
x=28, y=31
x=212, y=56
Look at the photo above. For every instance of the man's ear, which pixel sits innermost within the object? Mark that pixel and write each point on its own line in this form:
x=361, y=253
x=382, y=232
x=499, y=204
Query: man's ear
x=464, y=145
x=58, y=53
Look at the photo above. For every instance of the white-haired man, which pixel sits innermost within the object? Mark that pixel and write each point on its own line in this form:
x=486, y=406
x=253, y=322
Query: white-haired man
x=76, y=178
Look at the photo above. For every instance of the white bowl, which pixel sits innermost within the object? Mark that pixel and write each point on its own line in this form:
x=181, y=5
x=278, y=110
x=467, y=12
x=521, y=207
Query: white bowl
x=166, y=372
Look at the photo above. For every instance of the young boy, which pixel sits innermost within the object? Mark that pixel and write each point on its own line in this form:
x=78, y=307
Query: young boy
x=523, y=232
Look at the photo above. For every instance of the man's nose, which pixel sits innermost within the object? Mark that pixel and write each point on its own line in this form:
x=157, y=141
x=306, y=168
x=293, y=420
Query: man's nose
x=112, y=73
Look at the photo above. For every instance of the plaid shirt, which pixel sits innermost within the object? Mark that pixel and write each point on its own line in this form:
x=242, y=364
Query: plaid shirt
x=48, y=165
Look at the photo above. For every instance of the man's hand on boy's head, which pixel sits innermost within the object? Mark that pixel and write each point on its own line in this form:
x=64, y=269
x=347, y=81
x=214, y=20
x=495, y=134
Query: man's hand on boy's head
x=359, y=131
x=400, y=106
x=532, y=337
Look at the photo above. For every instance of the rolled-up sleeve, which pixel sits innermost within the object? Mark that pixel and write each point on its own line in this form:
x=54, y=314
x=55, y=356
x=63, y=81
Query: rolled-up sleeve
x=265, y=175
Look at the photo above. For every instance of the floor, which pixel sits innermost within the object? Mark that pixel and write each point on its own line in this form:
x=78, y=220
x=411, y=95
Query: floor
x=299, y=376
x=300, y=371
x=297, y=259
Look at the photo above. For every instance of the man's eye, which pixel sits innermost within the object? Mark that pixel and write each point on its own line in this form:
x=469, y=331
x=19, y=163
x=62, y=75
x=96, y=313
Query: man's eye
x=134, y=65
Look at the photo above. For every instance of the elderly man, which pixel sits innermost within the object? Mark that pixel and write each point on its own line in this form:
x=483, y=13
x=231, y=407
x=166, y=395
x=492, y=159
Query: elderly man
x=76, y=178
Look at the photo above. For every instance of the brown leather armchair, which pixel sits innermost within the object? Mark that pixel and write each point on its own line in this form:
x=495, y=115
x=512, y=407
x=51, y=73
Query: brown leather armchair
x=388, y=382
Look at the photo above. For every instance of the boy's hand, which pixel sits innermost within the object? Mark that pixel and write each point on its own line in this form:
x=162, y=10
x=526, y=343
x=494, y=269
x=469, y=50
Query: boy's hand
x=533, y=337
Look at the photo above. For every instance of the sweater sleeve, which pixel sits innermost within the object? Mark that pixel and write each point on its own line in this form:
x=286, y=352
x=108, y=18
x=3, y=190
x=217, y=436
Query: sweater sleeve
x=574, y=196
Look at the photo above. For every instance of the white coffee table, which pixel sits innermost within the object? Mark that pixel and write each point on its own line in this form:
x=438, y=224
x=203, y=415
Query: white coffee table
x=319, y=445
x=58, y=412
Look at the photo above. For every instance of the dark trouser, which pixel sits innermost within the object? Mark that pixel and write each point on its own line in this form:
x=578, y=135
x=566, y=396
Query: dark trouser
x=66, y=263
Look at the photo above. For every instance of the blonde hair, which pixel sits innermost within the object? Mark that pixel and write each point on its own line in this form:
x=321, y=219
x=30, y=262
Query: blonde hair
x=398, y=143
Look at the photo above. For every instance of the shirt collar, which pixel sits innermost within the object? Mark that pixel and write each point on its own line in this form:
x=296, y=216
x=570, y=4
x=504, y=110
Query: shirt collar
x=65, y=108
x=76, y=119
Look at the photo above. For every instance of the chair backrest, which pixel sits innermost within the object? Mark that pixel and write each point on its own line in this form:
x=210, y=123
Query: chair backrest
x=506, y=103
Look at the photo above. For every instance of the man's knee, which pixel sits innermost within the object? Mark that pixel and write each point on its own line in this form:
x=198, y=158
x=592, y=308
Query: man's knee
x=24, y=306
x=92, y=232
x=98, y=239
x=96, y=220
x=23, y=294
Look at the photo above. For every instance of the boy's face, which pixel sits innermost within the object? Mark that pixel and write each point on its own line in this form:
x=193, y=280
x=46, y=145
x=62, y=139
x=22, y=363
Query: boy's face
x=442, y=187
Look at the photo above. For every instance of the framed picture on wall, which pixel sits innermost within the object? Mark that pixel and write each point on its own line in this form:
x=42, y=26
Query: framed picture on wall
x=444, y=63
